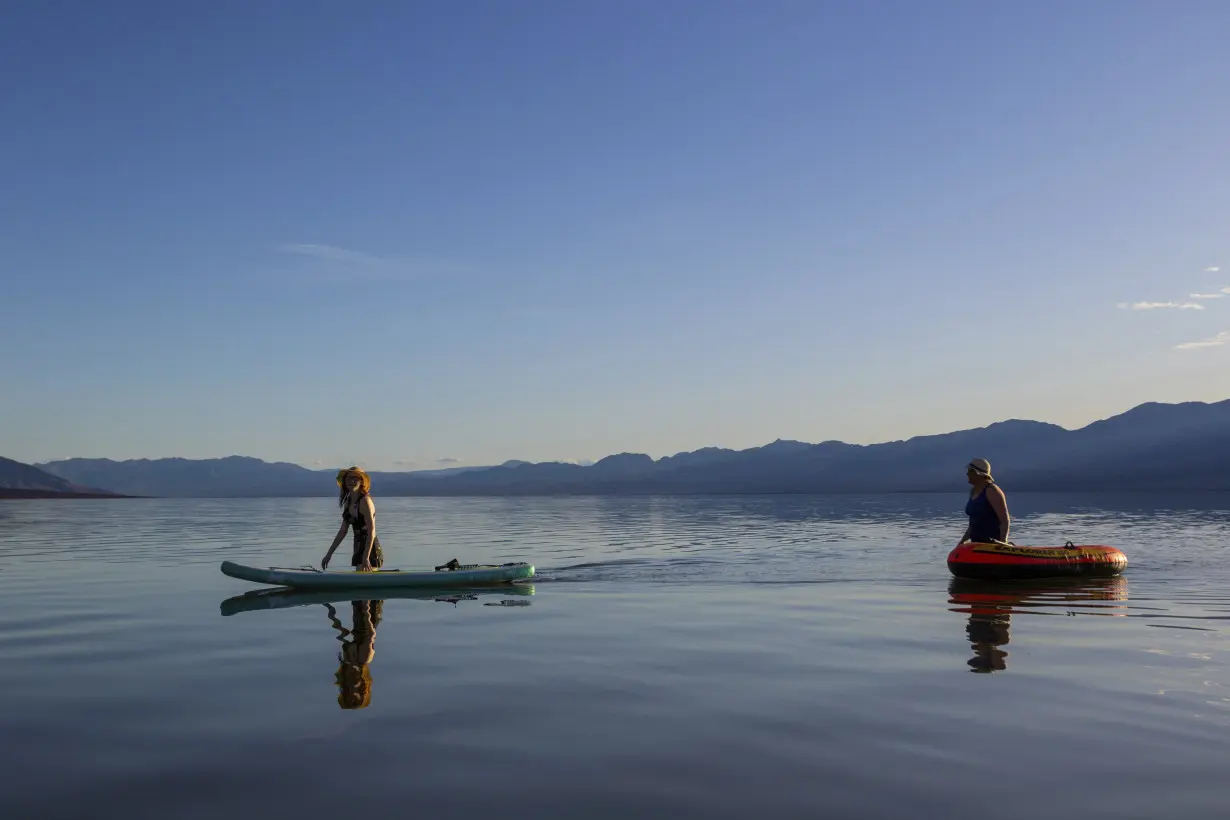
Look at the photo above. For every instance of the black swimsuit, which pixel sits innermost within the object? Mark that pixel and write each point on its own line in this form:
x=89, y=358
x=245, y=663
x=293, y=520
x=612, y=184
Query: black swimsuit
x=359, y=525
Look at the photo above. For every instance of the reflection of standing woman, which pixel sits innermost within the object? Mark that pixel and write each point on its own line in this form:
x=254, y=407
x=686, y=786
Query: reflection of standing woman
x=359, y=512
x=353, y=678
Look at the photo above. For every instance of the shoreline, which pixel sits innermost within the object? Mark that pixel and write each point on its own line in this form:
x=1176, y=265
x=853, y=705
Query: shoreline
x=7, y=493
x=10, y=493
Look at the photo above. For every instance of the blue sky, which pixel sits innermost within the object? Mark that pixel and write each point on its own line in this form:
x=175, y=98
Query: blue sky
x=408, y=235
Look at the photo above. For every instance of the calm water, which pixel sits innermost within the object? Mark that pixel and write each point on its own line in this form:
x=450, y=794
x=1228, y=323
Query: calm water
x=695, y=657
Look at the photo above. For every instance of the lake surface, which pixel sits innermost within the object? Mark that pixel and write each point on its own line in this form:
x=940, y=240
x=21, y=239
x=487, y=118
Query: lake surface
x=676, y=657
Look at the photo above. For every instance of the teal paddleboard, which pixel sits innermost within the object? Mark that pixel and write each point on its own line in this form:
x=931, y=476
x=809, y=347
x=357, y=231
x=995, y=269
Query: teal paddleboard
x=310, y=578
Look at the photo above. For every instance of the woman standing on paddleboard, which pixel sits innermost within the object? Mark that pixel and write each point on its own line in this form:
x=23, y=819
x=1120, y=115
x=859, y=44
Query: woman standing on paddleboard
x=359, y=512
x=987, y=507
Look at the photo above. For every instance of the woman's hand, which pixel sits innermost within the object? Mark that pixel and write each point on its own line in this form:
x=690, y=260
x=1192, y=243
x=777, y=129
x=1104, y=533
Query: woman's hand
x=337, y=539
x=366, y=566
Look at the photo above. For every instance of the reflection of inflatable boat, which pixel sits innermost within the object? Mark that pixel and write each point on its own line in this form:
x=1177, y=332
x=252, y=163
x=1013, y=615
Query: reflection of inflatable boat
x=984, y=596
x=1000, y=560
x=991, y=604
x=284, y=598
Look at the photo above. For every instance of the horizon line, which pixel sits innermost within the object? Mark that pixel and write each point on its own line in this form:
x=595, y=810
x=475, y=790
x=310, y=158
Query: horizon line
x=574, y=462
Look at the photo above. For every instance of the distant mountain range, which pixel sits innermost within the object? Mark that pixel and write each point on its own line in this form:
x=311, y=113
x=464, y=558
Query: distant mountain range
x=19, y=480
x=1151, y=447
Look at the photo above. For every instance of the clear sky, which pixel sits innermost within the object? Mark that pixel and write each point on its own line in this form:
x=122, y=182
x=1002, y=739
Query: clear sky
x=403, y=234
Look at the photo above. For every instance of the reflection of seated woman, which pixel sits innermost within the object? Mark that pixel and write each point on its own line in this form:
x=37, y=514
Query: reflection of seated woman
x=987, y=632
x=990, y=609
x=354, y=681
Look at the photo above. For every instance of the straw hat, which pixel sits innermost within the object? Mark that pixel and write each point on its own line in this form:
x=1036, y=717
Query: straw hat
x=365, y=481
x=980, y=466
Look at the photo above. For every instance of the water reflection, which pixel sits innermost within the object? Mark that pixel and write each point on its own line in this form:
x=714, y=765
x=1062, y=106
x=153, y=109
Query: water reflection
x=354, y=679
x=991, y=605
x=353, y=676
x=285, y=598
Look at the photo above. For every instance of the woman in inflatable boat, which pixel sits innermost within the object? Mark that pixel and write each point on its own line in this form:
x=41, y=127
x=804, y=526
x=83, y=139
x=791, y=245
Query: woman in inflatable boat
x=358, y=511
x=987, y=507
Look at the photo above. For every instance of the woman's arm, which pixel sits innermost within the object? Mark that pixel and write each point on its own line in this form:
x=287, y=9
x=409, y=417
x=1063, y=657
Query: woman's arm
x=369, y=515
x=999, y=503
x=341, y=533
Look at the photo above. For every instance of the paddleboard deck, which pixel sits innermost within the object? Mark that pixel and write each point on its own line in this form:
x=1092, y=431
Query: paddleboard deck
x=310, y=578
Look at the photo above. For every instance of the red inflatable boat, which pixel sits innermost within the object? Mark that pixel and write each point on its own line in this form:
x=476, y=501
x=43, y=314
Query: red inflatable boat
x=999, y=560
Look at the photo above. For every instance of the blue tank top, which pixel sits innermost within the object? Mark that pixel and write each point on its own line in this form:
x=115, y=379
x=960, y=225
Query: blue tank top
x=983, y=522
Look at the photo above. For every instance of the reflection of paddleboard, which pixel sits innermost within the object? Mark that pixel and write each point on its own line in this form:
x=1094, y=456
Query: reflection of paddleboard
x=285, y=598
x=309, y=578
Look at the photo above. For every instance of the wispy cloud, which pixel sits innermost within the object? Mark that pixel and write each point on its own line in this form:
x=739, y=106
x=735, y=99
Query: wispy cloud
x=330, y=261
x=448, y=461
x=404, y=463
x=1212, y=270
x=1214, y=341
x=329, y=253
x=1217, y=295
x=1163, y=305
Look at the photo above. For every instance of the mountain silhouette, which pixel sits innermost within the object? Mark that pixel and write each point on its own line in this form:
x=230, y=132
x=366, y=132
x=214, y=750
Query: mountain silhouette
x=1152, y=447
x=18, y=480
